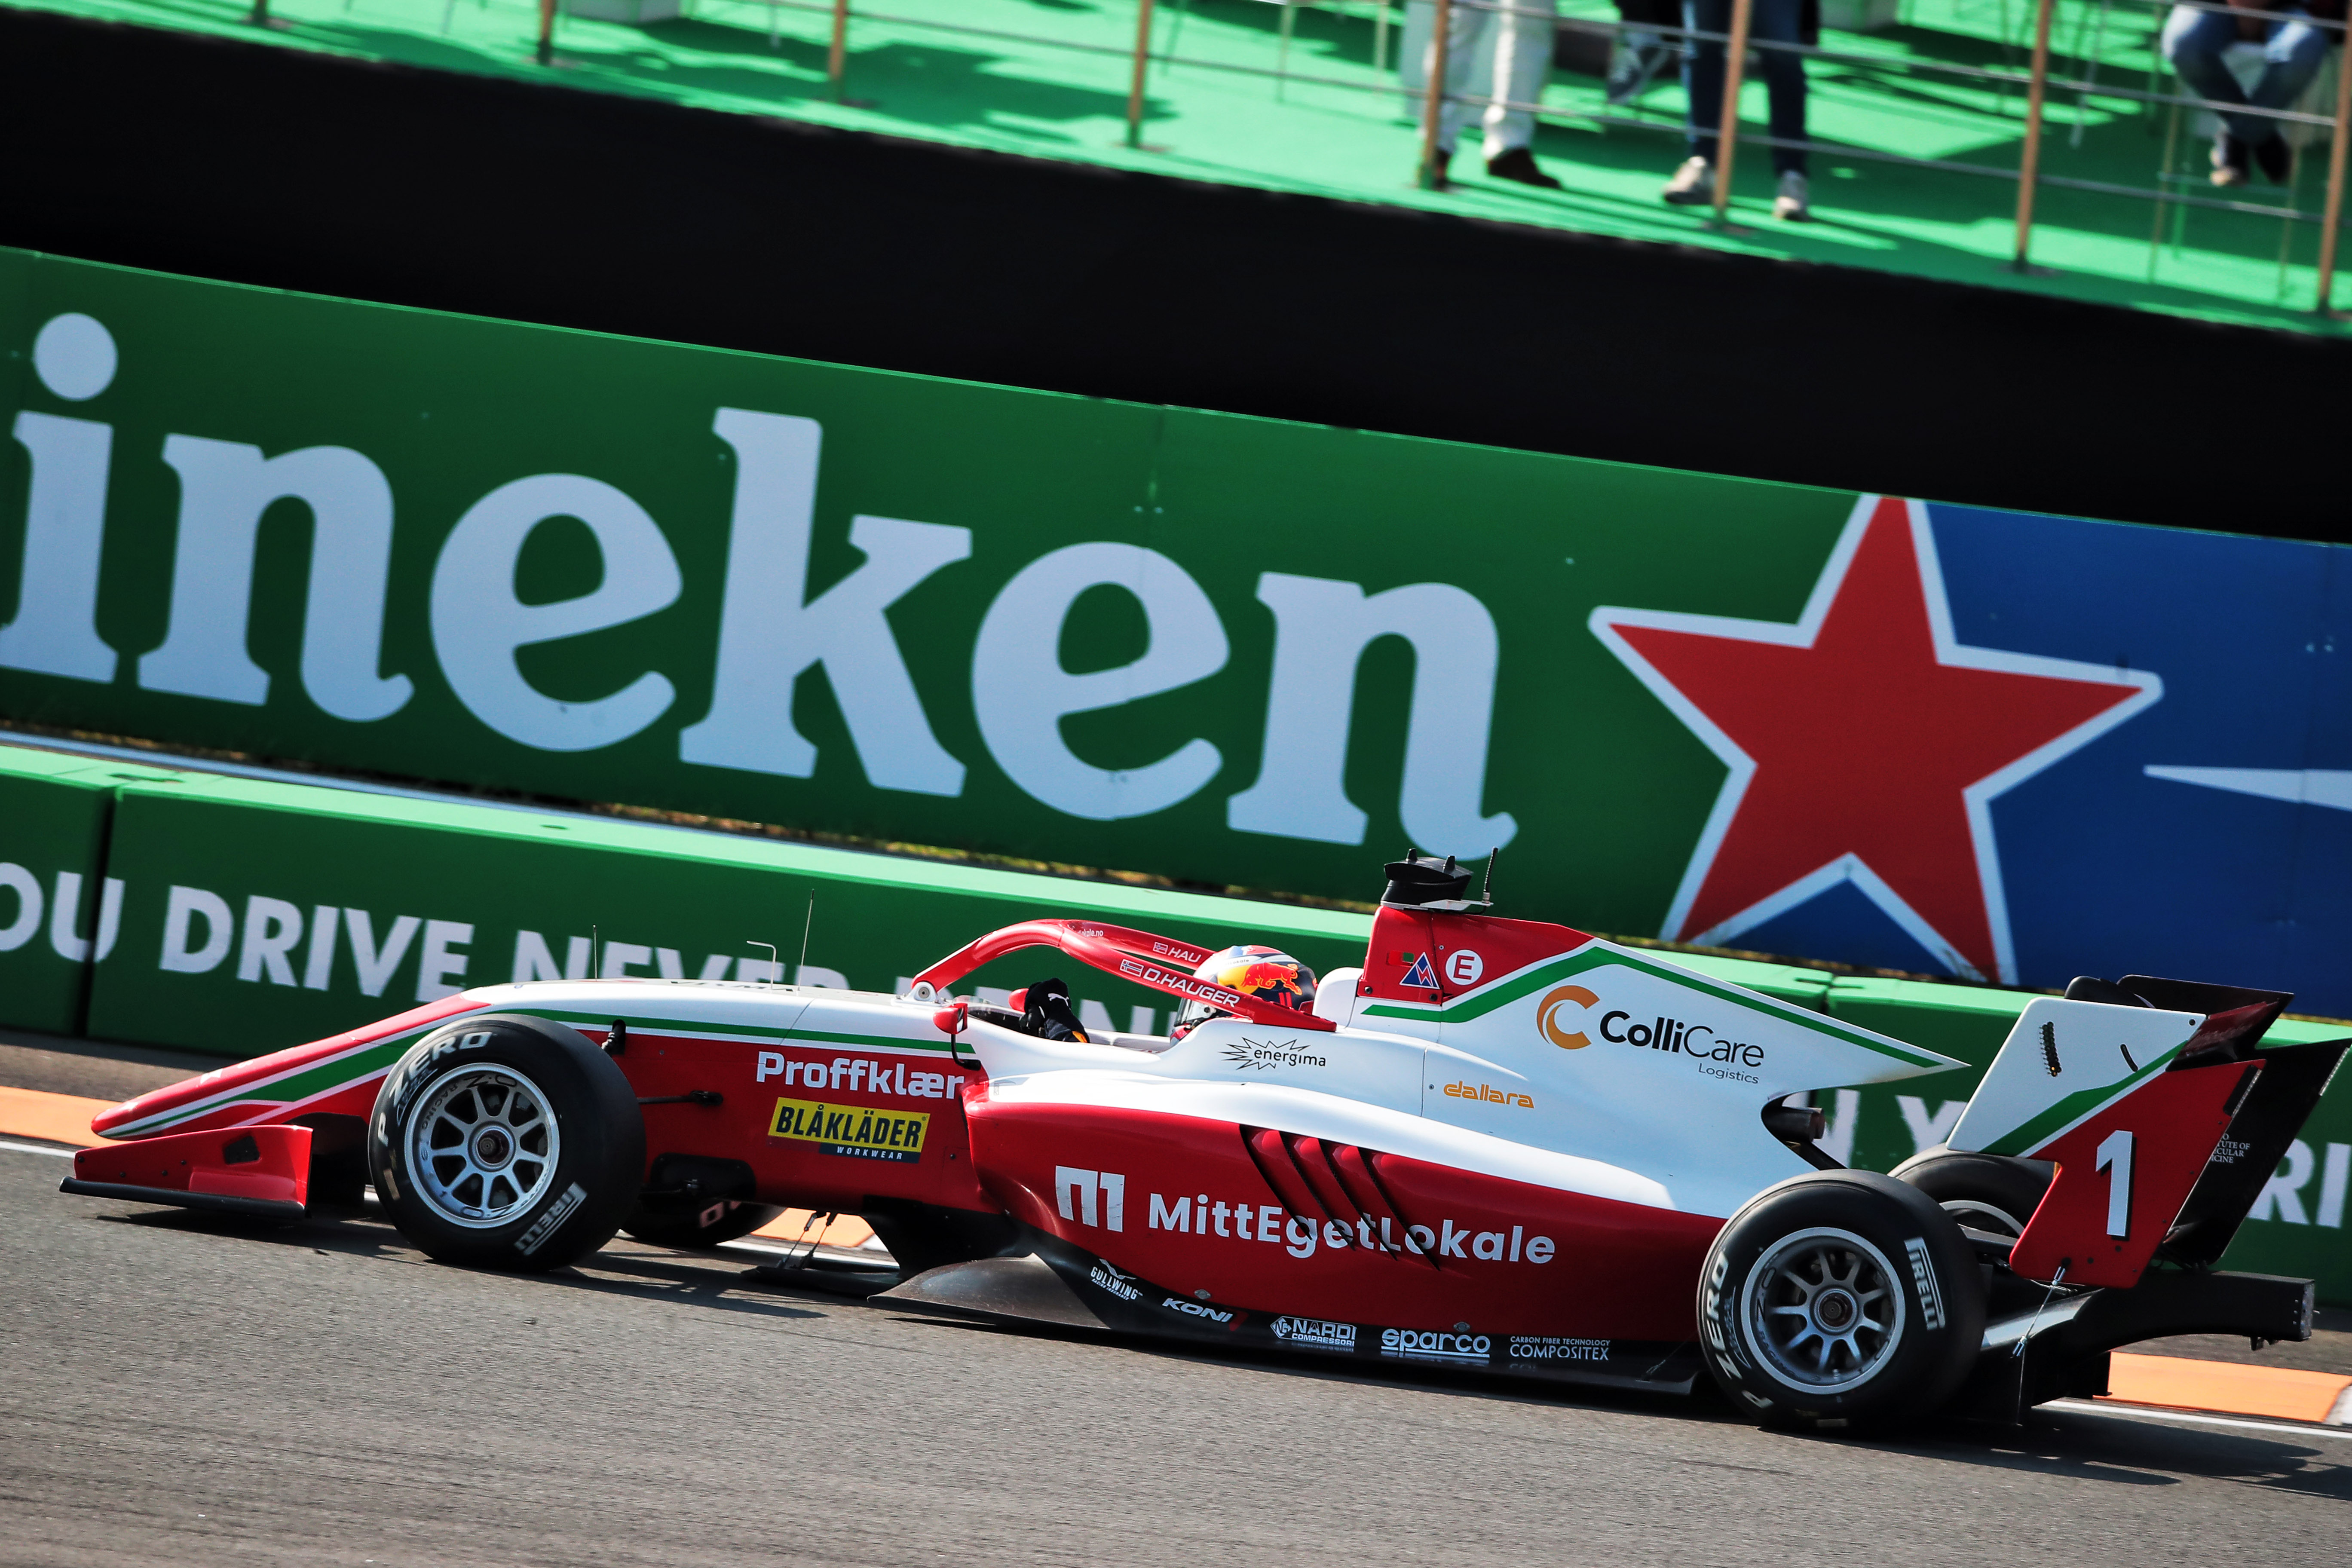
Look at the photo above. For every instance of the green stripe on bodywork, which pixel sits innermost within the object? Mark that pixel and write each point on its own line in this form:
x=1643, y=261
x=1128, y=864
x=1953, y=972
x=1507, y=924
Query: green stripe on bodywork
x=1511, y=990
x=2075, y=1107
x=765, y=1031
x=305, y=1083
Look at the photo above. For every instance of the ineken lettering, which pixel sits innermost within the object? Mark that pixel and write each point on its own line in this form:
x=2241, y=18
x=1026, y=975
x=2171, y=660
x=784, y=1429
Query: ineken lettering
x=859, y=1131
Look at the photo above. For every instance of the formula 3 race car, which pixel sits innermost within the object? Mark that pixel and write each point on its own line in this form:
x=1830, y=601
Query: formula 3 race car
x=1499, y=1144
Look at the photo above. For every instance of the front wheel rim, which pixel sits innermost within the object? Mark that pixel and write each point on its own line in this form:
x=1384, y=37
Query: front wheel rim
x=1824, y=1311
x=484, y=1147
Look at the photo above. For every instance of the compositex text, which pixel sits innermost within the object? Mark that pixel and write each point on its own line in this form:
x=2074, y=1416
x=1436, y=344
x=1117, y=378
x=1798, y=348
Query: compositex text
x=1553, y=1347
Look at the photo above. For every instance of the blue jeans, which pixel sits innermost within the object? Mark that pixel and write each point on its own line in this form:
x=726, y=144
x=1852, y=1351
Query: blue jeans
x=2292, y=52
x=1775, y=21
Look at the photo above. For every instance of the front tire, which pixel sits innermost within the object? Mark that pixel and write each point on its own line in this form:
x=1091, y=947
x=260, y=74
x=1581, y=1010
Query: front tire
x=506, y=1141
x=1839, y=1299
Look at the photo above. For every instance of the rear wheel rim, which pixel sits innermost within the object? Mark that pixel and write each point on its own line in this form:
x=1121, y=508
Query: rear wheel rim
x=1823, y=1309
x=483, y=1149
x=1978, y=1215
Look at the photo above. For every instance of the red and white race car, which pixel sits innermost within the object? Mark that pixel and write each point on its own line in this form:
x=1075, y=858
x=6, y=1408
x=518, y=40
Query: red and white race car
x=1499, y=1144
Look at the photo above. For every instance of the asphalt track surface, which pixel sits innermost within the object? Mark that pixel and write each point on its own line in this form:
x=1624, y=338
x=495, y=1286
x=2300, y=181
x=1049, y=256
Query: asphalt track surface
x=178, y=1392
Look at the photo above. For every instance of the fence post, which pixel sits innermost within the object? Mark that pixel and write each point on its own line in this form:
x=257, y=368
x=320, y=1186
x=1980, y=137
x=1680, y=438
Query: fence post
x=547, y=32
x=2334, y=204
x=2031, y=169
x=1726, y=127
x=1433, y=96
x=1135, y=86
x=837, y=59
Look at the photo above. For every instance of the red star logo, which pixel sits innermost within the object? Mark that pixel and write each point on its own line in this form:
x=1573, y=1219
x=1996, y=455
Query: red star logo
x=1864, y=744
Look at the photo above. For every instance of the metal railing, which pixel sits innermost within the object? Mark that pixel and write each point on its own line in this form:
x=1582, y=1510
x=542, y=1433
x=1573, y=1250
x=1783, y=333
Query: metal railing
x=2038, y=82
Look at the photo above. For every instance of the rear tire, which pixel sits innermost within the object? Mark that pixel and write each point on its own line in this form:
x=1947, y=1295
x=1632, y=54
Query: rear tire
x=505, y=1141
x=1992, y=1192
x=1842, y=1298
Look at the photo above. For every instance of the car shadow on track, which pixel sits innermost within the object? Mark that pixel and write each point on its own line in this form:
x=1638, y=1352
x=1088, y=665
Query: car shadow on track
x=2119, y=1449
x=626, y=1269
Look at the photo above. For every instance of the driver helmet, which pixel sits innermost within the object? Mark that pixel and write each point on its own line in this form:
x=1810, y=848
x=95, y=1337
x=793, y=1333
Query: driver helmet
x=1265, y=972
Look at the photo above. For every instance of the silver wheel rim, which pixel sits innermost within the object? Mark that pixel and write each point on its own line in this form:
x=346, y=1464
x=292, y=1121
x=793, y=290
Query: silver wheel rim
x=1978, y=1215
x=1823, y=1309
x=484, y=1148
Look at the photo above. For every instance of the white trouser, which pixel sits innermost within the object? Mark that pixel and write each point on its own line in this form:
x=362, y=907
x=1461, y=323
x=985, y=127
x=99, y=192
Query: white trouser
x=1512, y=69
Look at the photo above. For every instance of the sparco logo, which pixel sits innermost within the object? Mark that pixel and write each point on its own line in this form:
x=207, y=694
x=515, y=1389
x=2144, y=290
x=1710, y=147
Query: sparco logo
x=1423, y=1344
x=1122, y=1286
x=1265, y=1056
x=1195, y=1310
x=1316, y=1331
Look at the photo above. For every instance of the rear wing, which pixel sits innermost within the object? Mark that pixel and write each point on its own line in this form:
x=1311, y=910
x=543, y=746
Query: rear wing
x=2162, y=1113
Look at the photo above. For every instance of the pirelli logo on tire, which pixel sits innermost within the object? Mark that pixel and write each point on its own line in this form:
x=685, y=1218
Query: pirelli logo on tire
x=531, y=1240
x=859, y=1131
x=1923, y=1278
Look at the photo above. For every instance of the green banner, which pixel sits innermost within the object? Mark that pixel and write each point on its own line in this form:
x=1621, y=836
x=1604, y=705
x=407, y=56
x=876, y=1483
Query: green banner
x=1234, y=652
x=1227, y=651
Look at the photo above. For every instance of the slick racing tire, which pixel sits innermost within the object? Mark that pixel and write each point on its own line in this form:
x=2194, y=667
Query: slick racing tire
x=1996, y=1193
x=503, y=1142
x=1842, y=1298
x=726, y=1220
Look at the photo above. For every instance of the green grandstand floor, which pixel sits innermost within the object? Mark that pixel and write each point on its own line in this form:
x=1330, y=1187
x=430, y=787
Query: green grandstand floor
x=1338, y=135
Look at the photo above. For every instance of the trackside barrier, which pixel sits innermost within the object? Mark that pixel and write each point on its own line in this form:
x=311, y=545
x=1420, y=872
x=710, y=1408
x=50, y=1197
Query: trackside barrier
x=58, y=912
x=250, y=915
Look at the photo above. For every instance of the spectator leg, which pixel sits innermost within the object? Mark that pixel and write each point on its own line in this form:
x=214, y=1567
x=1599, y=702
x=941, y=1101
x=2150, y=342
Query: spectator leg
x=1703, y=73
x=2193, y=42
x=2292, y=57
x=1523, y=37
x=1783, y=21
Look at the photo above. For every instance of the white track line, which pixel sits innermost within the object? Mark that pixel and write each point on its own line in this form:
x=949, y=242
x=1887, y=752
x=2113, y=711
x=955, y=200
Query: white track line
x=2151, y=1413
x=16, y=1148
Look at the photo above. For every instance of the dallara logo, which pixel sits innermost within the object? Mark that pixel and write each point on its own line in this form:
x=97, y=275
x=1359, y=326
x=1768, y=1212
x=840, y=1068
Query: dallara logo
x=1561, y=1010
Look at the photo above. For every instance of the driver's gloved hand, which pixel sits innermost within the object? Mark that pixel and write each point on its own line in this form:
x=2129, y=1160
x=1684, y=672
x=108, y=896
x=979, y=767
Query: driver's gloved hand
x=1050, y=1014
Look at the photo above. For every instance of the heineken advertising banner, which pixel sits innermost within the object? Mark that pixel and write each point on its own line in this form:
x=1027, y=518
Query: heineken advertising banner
x=1232, y=651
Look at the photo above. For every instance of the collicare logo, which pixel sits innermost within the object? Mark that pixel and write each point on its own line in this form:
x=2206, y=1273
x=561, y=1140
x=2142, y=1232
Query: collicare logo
x=1553, y=1026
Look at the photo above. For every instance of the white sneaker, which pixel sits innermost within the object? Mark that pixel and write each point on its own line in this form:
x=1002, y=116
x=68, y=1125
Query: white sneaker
x=1692, y=184
x=1791, y=203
